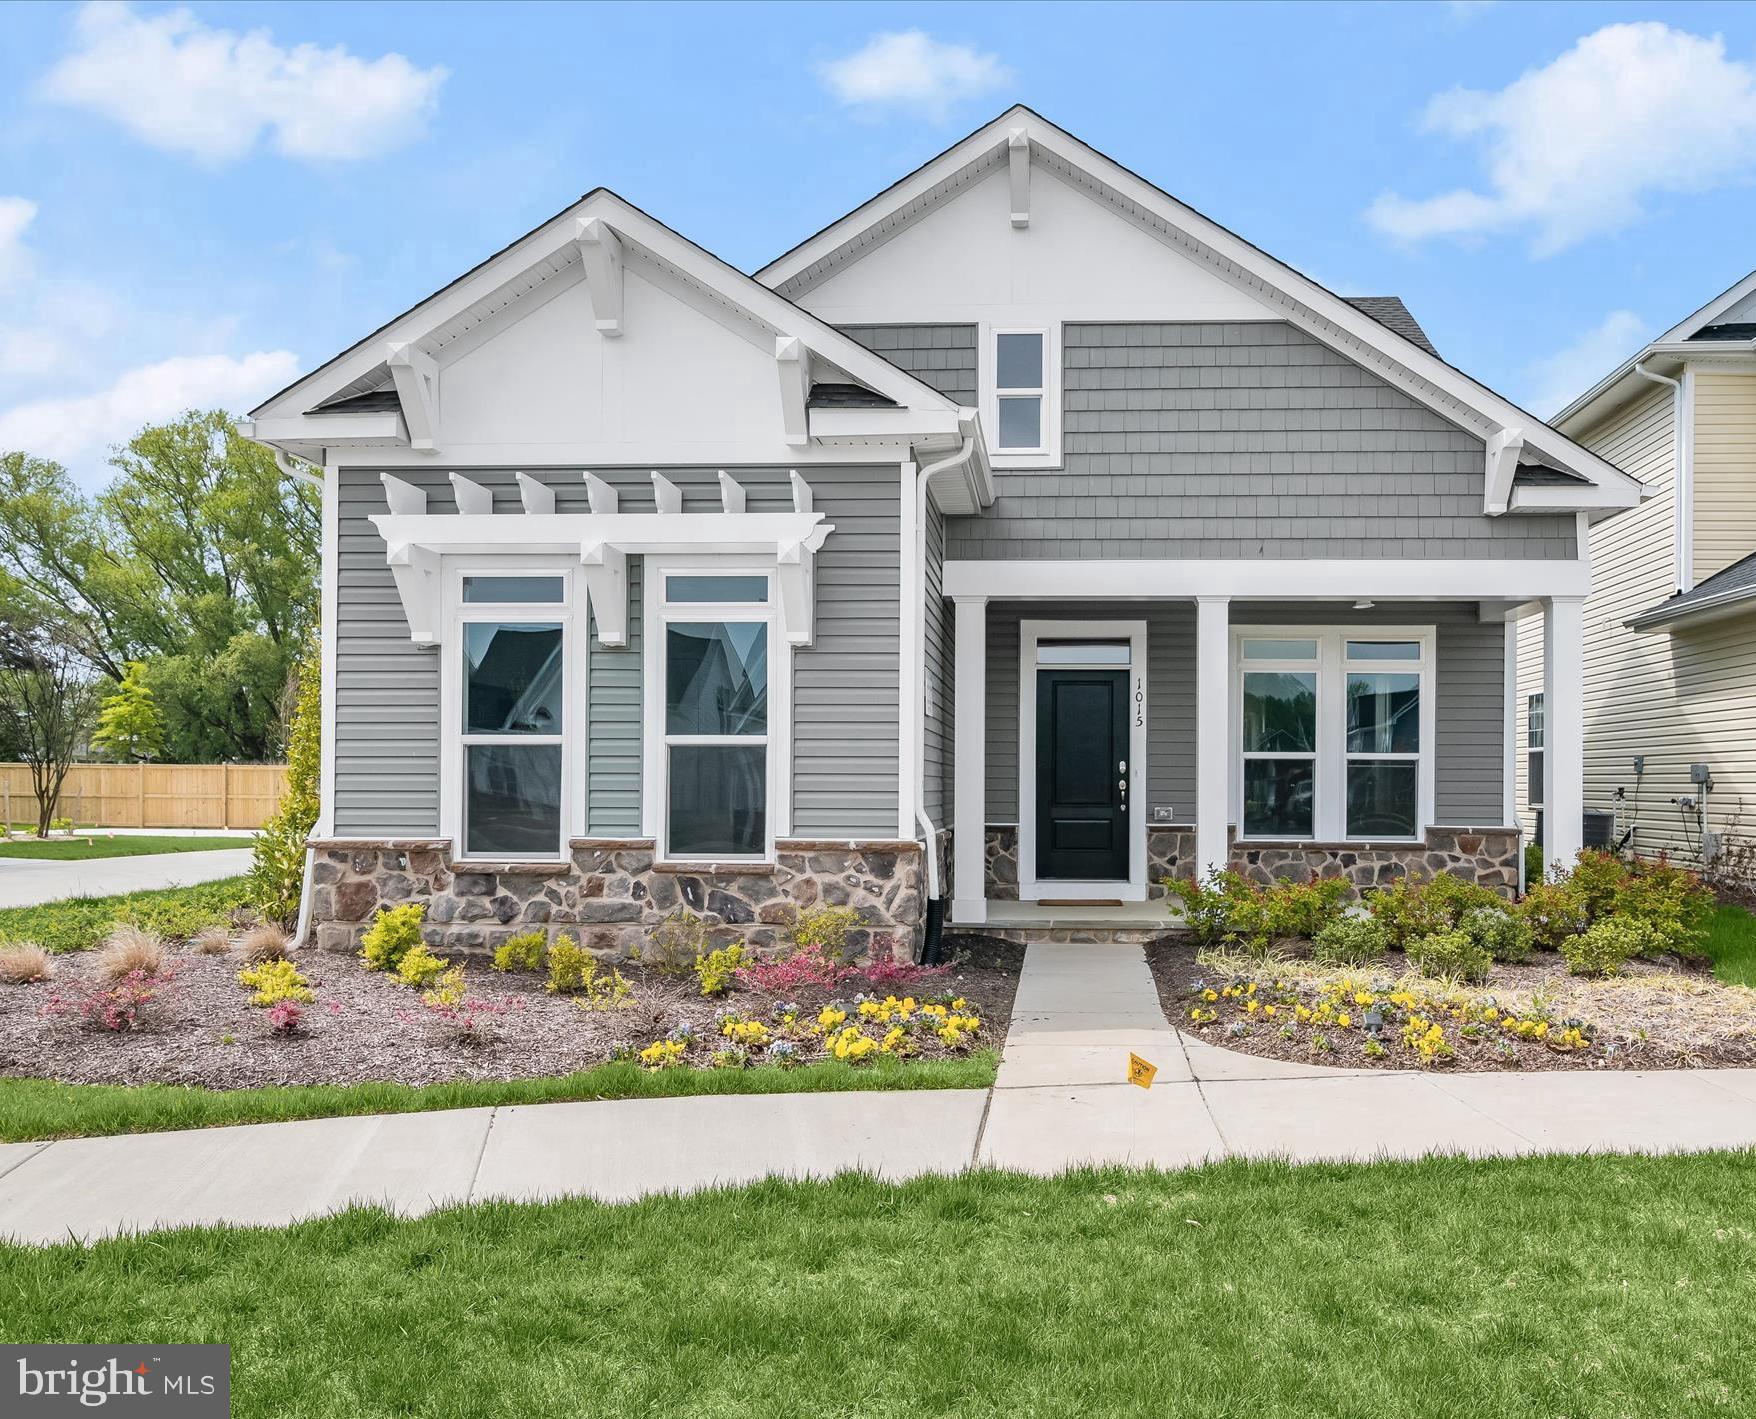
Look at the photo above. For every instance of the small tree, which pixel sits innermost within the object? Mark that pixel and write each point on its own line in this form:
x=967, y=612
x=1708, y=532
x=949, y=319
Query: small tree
x=130, y=727
x=48, y=699
x=278, y=872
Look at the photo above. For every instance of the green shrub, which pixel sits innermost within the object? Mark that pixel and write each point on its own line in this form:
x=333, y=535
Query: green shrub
x=277, y=873
x=570, y=965
x=1533, y=865
x=573, y=970
x=523, y=952
x=419, y=966
x=183, y=912
x=675, y=943
x=275, y=981
x=393, y=933
x=1671, y=903
x=1411, y=910
x=1503, y=934
x=1450, y=953
x=1351, y=941
x=1604, y=947
x=825, y=930
x=1597, y=879
x=1207, y=908
x=716, y=969
x=1304, y=908
x=1554, y=912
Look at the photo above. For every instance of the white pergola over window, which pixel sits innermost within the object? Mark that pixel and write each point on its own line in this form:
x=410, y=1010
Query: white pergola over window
x=601, y=540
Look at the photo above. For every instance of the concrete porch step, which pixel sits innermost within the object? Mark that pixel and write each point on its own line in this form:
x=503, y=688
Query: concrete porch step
x=1118, y=923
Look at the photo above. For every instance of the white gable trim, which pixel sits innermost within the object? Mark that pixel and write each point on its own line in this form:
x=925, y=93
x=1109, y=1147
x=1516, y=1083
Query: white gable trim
x=593, y=240
x=1305, y=304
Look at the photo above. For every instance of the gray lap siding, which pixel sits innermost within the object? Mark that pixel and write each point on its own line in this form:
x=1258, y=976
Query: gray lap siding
x=845, y=720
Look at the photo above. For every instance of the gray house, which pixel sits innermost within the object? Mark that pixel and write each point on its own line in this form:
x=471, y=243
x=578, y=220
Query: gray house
x=1017, y=541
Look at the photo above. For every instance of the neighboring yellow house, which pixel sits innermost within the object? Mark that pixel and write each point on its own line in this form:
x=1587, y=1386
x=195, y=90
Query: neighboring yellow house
x=1670, y=625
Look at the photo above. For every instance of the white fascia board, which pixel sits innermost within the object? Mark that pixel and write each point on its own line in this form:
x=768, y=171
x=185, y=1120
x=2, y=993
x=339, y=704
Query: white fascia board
x=329, y=429
x=1316, y=580
x=1710, y=312
x=642, y=532
x=1428, y=371
x=888, y=426
x=1555, y=497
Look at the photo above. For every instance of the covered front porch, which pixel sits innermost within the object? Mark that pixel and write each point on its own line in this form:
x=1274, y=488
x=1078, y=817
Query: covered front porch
x=1105, y=743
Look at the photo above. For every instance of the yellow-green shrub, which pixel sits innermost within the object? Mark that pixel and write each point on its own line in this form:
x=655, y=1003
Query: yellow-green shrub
x=825, y=929
x=570, y=965
x=1555, y=913
x=675, y=943
x=716, y=969
x=523, y=952
x=1351, y=941
x=1604, y=947
x=275, y=981
x=393, y=933
x=419, y=965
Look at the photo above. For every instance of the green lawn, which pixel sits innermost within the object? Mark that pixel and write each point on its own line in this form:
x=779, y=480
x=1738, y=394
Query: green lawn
x=79, y=849
x=1542, y=1287
x=81, y=922
x=43, y=1108
x=1731, y=942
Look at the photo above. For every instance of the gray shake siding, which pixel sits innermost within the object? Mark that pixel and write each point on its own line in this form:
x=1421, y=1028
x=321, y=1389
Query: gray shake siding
x=1247, y=439
x=1469, y=683
x=844, y=686
x=942, y=356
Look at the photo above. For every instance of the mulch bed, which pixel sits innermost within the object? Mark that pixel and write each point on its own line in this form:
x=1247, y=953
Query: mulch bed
x=1660, y=1015
x=364, y=1026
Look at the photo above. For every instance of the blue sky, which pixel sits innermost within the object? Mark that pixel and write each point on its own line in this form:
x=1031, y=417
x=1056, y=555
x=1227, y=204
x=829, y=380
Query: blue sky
x=198, y=201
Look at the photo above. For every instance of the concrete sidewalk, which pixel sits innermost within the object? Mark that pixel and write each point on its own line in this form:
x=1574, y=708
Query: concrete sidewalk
x=1060, y=1101
x=28, y=882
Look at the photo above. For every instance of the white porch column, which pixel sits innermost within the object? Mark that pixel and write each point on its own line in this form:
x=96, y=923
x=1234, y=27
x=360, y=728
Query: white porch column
x=1563, y=729
x=1213, y=699
x=969, y=846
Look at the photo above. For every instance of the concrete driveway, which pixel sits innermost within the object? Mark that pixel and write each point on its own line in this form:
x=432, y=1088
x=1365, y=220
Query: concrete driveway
x=26, y=882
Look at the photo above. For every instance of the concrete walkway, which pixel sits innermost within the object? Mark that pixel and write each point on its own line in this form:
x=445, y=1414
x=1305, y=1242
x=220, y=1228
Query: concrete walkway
x=1060, y=1101
x=28, y=882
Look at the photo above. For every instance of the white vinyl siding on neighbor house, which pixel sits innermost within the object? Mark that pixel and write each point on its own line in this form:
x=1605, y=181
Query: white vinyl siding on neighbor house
x=1674, y=699
x=1725, y=470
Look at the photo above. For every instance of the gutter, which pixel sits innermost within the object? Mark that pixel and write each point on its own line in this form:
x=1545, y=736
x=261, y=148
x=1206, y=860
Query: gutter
x=1707, y=608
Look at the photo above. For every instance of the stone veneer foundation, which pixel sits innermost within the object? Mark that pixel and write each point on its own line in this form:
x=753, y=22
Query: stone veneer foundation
x=610, y=894
x=1485, y=855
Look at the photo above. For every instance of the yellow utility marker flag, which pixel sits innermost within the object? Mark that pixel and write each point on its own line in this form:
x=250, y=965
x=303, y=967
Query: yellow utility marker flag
x=1139, y=1071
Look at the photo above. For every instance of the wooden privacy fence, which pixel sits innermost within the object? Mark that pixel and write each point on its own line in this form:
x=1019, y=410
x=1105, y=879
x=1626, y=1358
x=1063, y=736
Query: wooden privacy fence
x=152, y=795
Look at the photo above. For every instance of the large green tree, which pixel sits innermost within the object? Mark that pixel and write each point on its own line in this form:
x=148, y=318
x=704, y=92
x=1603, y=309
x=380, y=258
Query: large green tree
x=199, y=560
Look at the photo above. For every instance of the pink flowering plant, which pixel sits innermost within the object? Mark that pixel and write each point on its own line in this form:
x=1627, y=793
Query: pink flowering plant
x=122, y=1006
x=286, y=1018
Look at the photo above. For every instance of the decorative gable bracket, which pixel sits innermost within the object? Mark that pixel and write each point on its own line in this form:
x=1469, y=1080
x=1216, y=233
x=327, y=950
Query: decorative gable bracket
x=1504, y=447
x=603, y=539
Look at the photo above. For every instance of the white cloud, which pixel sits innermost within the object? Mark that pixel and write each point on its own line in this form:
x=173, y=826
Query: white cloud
x=177, y=84
x=16, y=214
x=911, y=69
x=1573, y=149
x=1556, y=381
x=84, y=426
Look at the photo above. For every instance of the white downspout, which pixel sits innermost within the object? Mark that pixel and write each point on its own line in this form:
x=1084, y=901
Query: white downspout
x=1680, y=476
x=306, y=475
x=935, y=888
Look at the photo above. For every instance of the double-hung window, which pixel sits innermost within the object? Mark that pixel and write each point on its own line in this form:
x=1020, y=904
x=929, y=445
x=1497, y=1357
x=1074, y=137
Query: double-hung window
x=512, y=641
x=1021, y=395
x=1333, y=731
x=715, y=648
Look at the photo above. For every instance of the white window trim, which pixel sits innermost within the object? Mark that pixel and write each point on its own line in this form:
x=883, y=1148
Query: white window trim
x=1329, y=821
x=1048, y=454
x=574, y=691
x=1029, y=634
x=655, y=743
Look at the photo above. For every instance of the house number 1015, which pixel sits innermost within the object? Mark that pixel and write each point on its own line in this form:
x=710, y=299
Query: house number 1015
x=1139, y=701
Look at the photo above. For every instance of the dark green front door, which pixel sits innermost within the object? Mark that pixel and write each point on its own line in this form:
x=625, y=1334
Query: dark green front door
x=1082, y=754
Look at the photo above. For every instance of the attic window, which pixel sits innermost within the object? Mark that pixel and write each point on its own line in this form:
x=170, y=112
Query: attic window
x=1021, y=396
